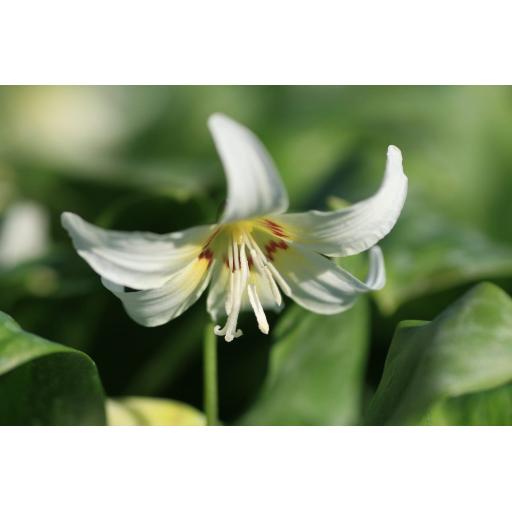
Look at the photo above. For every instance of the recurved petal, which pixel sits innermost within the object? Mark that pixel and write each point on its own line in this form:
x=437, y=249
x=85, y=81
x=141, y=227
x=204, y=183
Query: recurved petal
x=319, y=285
x=358, y=227
x=135, y=259
x=160, y=305
x=254, y=185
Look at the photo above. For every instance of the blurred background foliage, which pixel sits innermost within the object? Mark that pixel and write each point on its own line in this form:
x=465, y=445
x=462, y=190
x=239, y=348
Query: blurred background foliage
x=142, y=158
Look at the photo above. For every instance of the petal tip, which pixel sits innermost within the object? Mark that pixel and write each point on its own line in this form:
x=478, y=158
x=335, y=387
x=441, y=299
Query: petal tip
x=67, y=219
x=254, y=186
x=216, y=118
x=393, y=151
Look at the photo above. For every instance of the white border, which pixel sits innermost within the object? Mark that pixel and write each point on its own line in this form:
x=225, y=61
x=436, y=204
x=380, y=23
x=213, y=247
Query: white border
x=254, y=42
x=255, y=469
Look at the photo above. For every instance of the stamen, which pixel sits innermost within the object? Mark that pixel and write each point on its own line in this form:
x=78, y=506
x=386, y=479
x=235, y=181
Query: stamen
x=235, y=255
x=277, y=276
x=221, y=331
x=229, y=299
x=238, y=280
x=239, y=263
x=265, y=272
x=258, y=309
x=244, y=262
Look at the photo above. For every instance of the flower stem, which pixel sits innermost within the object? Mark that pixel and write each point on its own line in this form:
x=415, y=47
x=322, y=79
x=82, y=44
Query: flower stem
x=210, y=376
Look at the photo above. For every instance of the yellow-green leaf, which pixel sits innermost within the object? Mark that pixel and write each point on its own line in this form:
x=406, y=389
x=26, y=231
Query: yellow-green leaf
x=131, y=411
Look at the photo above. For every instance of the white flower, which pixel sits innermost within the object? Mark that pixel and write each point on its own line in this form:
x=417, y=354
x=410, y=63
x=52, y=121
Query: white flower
x=254, y=254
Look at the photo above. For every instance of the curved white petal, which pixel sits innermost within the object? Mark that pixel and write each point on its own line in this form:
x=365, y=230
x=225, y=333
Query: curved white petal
x=218, y=292
x=160, y=305
x=254, y=186
x=319, y=285
x=135, y=259
x=358, y=227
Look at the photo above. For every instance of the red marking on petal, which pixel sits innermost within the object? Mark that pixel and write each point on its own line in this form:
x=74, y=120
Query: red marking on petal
x=211, y=237
x=272, y=247
x=272, y=224
x=275, y=228
x=206, y=254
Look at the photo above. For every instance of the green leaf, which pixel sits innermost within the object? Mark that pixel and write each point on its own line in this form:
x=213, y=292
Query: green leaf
x=456, y=369
x=316, y=370
x=152, y=411
x=43, y=383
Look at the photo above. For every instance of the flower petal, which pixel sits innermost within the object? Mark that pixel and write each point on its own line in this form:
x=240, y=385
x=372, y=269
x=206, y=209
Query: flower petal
x=218, y=292
x=319, y=285
x=160, y=305
x=137, y=260
x=254, y=186
x=358, y=227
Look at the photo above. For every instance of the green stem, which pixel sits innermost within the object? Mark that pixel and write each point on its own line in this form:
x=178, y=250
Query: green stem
x=211, y=405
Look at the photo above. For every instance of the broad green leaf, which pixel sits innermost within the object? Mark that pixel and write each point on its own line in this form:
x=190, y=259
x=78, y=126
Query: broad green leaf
x=493, y=407
x=43, y=383
x=316, y=370
x=456, y=369
x=131, y=411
